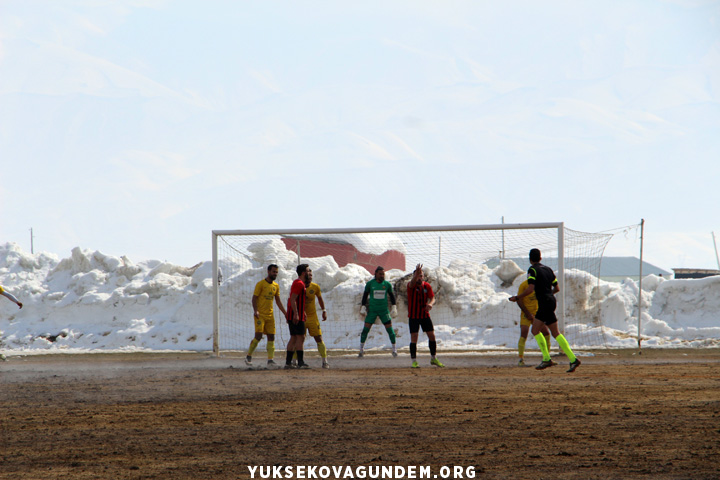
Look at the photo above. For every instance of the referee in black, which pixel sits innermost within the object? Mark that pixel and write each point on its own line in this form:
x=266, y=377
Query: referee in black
x=542, y=281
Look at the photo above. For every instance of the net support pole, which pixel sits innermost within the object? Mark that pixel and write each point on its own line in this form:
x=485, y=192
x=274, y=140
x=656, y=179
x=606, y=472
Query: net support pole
x=642, y=231
x=561, y=275
x=216, y=296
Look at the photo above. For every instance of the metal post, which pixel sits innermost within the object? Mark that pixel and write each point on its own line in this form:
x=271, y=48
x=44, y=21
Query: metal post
x=32, y=246
x=439, y=251
x=561, y=275
x=717, y=258
x=216, y=297
x=642, y=231
x=502, y=255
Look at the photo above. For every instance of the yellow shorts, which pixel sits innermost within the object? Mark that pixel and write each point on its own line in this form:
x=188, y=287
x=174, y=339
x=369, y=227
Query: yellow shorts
x=312, y=323
x=524, y=322
x=265, y=324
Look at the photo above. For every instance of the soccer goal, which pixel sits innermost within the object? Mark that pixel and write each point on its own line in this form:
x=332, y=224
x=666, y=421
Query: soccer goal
x=472, y=269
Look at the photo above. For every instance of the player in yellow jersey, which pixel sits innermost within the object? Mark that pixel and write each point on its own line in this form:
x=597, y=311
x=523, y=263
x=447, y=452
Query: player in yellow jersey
x=312, y=323
x=266, y=291
x=528, y=307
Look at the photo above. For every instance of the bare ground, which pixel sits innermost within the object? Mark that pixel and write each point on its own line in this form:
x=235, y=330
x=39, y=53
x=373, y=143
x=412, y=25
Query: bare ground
x=190, y=416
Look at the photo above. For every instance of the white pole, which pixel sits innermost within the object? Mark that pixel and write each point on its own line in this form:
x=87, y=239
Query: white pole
x=717, y=258
x=642, y=231
x=561, y=275
x=216, y=297
x=439, y=251
x=502, y=256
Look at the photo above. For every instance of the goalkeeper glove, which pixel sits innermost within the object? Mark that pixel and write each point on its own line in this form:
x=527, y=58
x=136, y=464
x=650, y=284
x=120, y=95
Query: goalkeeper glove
x=363, y=310
x=393, y=311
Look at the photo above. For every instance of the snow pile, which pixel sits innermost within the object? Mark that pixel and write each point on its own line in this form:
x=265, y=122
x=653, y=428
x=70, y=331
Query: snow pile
x=96, y=302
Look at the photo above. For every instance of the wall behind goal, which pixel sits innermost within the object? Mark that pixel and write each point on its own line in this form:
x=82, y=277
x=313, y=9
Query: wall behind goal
x=470, y=269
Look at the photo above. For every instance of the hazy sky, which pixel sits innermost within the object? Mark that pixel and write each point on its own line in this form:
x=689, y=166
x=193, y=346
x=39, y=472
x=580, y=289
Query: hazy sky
x=137, y=127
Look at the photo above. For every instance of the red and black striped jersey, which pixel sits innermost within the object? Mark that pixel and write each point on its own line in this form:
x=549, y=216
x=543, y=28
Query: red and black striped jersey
x=298, y=287
x=418, y=297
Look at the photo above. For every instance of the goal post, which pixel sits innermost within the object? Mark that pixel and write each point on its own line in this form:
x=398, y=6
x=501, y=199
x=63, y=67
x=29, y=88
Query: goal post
x=474, y=269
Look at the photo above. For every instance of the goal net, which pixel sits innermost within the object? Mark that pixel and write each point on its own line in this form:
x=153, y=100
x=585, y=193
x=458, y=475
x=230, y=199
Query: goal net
x=472, y=269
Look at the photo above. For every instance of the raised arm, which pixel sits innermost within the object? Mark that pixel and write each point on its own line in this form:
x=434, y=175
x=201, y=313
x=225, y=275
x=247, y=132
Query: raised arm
x=12, y=298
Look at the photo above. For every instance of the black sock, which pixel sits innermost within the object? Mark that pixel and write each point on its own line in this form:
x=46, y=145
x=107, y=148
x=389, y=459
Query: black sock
x=413, y=350
x=288, y=357
x=300, y=357
x=433, y=347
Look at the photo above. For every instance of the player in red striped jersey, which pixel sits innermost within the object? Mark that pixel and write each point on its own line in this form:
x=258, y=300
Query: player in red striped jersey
x=296, y=317
x=420, y=301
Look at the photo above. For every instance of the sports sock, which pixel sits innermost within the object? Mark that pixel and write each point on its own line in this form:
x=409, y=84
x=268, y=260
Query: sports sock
x=391, y=334
x=413, y=350
x=540, y=339
x=294, y=355
x=565, y=347
x=253, y=346
x=271, y=349
x=547, y=340
x=433, y=347
x=364, y=334
x=521, y=346
x=288, y=357
x=300, y=357
x=322, y=350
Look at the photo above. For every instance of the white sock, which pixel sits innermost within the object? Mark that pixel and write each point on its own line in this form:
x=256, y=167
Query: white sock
x=362, y=347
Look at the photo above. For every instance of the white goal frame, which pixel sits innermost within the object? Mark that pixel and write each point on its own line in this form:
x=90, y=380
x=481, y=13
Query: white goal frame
x=559, y=226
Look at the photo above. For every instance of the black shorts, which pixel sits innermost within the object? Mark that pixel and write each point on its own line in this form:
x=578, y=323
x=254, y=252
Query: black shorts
x=416, y=323
x=546, y=310
x=297, y=328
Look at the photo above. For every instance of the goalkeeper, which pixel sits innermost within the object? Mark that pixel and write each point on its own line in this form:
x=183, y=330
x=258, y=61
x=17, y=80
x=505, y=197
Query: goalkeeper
x=528, y=308
x=374, y=305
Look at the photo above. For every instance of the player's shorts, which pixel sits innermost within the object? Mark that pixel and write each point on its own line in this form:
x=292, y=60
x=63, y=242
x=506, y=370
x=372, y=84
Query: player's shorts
x=372, y=315
x=297, y=328
x=546, y=310
x=265, y=324
x=416, y=323
x=524, y=321
x=313, y=325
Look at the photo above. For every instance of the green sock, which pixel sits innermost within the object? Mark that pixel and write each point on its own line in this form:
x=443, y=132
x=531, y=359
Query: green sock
x=271, y=350
x=391, y=334
x=364, y=334
x=547, y=341
x=521, y=346
x=322, y=350
x=565, y=347
x=540, y=339
x=253, y=346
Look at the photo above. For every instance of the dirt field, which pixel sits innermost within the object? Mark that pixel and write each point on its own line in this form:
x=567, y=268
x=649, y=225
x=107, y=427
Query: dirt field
x=191, y=416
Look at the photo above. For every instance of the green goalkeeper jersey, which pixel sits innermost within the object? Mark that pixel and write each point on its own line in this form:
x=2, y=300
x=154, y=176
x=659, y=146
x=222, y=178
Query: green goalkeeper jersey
x=378, y=294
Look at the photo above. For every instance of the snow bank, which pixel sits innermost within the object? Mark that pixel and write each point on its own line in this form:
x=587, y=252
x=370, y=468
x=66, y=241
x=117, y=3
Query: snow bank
x=91, y=301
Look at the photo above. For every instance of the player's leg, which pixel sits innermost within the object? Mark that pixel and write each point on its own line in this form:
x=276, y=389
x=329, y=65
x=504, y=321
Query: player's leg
x=387, y=322
x=259, y=328
x=542, y=343
x=429, y=330
x=299, y=348
x=565, y=346
x=290, y=349
x=414, y=325
x=546, y=333
x=271, y=348
x=369, y=320
x=525, y=325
